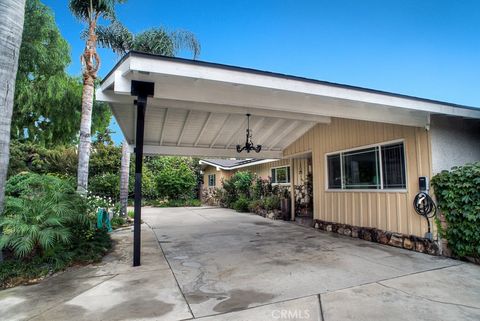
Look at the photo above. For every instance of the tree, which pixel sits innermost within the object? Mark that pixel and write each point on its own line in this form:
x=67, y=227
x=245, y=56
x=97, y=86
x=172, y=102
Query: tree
x=48, y=103
x=12, y=13
x=89, y=12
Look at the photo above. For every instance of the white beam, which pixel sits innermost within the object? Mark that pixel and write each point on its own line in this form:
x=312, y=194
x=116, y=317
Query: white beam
x=162, y=132
x=206, y=152
x=185, y=125
x=205, y=125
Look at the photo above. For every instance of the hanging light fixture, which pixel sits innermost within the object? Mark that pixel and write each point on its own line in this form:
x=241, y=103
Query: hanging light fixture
x=249, y=146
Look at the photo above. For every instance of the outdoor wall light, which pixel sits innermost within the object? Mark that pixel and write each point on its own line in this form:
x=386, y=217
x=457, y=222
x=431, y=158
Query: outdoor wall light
x=249, y=146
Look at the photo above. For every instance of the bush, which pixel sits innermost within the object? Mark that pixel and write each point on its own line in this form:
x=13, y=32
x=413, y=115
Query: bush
x=46, y=227
x=107, y=185
x=175, y=176
x=243, y=183
x=131, y=214
x=458, y=197
x=38, y=212
x=118, y=221
x=177, y=203
x=241, y=205
x=271, y=203
x=261, y=188
x=255, y=205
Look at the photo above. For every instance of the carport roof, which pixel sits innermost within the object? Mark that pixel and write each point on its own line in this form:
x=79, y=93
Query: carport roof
x=198, y=108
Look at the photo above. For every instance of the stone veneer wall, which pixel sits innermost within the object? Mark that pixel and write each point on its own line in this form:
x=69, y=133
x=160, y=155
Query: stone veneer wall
x=408, y=242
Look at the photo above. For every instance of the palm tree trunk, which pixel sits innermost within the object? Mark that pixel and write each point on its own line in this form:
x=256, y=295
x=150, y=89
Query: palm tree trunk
x=124, y=172
x=85, y=139
x=12, y=13
x=91, y=63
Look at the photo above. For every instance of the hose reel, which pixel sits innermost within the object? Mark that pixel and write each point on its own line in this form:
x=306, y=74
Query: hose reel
x=424, y=204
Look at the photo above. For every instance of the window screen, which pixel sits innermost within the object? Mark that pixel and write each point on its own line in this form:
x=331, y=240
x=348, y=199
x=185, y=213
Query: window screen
x=393, y=163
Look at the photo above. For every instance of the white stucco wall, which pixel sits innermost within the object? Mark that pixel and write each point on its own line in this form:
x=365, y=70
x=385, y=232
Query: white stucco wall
x=455, y=142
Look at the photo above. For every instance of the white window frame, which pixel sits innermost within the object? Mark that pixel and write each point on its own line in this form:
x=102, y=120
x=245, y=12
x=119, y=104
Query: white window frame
x=289, y=176
x=367, y=190
x=214, y=180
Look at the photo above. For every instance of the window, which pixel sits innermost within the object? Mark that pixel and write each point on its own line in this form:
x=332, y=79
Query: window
x=281, y=175
x=212, y=180
x=379, y=167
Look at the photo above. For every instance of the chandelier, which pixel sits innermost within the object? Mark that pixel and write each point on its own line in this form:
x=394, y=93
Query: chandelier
x=249, y=146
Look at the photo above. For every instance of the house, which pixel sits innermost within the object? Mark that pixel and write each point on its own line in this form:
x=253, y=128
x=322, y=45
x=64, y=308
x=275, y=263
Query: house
x=367, y=148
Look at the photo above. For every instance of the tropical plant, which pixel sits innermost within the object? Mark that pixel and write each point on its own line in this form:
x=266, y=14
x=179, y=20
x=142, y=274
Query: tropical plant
x=89, y=12
x=39, y=211
x=11, y=26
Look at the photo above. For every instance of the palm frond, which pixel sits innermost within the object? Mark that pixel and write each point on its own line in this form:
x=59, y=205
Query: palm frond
x=183, y=39
x=155, y=41
x=81, y=8
x=114, y=36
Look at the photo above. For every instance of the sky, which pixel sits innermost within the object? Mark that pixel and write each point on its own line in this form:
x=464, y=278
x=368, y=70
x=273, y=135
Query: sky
x=423, y=48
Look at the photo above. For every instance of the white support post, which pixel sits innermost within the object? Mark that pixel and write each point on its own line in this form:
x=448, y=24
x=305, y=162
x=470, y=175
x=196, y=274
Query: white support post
x=292, y=187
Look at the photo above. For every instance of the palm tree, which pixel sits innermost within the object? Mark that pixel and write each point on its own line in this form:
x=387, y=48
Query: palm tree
x=156, y=41
x=89, y=11
x=12, y=14
x=120, y=40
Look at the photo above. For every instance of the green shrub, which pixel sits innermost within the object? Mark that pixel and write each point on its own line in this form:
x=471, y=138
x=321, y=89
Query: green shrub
x=243, y=183
x=271, y=203
x=238, y=185
x=106, y=185
x=118, y=222
x=46, y=227
x=241, y=205
x=261, y=188
x=175, y=177
x=131, y=214
x=39, y=209
x=255, y=205
x=458, y=197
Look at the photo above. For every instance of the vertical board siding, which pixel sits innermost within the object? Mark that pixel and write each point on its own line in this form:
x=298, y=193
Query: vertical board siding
x=385, y=210
x=219, y=175
x=264, y=170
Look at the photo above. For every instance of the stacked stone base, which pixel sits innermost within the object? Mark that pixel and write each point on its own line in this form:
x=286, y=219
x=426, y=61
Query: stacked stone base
x=408, y=242
x=273, y=214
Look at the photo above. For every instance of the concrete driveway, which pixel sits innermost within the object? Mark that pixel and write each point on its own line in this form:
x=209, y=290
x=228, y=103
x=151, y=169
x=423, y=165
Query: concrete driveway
x=215, y=264
x=225, y=261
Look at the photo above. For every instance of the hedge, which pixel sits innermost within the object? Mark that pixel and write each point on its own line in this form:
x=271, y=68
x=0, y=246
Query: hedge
x=458, y=196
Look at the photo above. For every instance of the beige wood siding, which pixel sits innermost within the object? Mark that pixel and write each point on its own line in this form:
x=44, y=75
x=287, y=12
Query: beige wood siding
x=392, y=211
x=219, y=175
x=264, y=170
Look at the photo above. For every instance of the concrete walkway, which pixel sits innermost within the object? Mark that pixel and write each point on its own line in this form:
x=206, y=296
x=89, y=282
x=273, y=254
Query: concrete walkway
x=215, y=264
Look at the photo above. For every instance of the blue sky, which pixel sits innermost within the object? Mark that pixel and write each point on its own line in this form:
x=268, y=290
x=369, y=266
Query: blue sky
x=424, y=48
